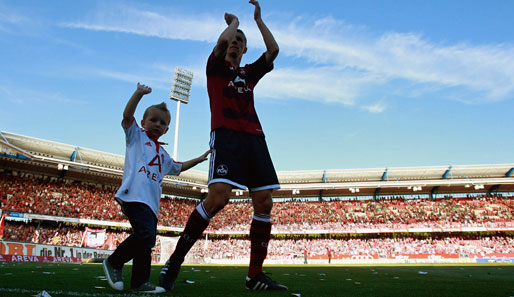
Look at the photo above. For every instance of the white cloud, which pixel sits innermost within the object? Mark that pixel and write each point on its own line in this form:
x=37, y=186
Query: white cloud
x=10, y=20
x=334, y=62
x=322, y=84
x=24, y=96
x=375, y=108
x=129, y=19
x=155, y=80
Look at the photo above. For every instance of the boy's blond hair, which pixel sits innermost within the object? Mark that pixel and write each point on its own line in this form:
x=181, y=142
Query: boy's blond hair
x=161, y=106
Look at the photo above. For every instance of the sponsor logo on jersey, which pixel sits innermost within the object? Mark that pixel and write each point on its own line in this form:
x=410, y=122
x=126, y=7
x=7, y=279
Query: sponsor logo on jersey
x=238, y=79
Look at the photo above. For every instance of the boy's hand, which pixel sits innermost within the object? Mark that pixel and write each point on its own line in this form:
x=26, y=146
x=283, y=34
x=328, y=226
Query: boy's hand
x=229, y=18
x=143, y=89
x=204, y=156
x=257, y=12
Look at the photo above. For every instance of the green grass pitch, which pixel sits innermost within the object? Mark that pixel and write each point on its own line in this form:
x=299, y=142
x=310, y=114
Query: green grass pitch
x=28, y=279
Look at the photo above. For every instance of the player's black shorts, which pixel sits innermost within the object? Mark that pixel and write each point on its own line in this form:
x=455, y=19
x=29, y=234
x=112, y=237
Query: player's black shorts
x=241, y=160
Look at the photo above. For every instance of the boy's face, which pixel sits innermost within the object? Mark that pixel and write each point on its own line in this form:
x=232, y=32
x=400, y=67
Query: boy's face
x=237, y=47
x=156, y=122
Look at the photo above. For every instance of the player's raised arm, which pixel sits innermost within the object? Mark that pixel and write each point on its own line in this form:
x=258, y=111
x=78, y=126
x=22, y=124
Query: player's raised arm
x=130, y=109
x=269, y=40
x=227, y=35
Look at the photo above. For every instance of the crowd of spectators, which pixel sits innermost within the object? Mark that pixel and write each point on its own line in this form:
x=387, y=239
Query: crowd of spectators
x=66, y=235
x=238, y=248
x=61, y=198
x=384, y=246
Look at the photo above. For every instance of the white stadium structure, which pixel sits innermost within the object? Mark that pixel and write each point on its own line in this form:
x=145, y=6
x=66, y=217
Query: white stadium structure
x=73, y=162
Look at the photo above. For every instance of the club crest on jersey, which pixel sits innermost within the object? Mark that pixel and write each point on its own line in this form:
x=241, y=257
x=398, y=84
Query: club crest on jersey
x=222, y=169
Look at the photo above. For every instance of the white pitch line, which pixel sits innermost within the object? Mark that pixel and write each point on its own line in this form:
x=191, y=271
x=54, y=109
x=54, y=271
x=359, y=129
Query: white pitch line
x=70, y=293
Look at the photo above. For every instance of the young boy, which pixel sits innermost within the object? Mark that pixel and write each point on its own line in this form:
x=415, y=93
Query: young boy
x=240, y=157
x=146, y=164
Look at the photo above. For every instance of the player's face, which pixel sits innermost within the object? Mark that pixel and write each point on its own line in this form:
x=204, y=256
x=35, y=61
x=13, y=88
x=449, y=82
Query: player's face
x=156, y=122
x=238, y=45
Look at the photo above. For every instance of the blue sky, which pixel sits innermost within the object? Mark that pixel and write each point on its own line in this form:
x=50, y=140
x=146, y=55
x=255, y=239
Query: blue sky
x=357, y=84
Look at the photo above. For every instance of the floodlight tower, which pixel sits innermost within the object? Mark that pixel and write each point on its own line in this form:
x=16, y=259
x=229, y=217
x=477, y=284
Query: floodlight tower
x=180, y=91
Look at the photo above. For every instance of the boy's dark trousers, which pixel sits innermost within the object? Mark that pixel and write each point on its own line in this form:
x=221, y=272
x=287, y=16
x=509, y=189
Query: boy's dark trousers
x=138, y=246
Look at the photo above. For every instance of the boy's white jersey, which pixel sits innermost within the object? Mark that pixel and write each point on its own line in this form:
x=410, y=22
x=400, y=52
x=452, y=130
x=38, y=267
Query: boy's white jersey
x=146, y=164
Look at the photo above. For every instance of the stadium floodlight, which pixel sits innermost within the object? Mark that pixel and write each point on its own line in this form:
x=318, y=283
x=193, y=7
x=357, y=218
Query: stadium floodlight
x=180, y=91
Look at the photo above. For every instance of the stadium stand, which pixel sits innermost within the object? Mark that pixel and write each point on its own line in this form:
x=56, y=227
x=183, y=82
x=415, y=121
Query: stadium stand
x=50, y=196
x=50, y=192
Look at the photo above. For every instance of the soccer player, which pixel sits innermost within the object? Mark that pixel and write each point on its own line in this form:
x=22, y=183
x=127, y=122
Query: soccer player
x=240, y=157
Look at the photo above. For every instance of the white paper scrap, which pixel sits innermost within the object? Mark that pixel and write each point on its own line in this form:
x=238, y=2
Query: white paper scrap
x=43, y=294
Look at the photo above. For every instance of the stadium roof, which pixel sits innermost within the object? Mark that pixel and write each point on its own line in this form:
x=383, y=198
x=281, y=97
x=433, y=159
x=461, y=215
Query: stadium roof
x=51, y=157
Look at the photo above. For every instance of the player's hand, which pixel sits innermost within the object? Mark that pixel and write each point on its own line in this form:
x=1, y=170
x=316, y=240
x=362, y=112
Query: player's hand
x=257, y=12
x=229, y=18
x=143, y=89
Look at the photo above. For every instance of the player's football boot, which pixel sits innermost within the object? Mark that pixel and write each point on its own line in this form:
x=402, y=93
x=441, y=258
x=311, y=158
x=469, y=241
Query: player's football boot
x=114, y=276
x=148, y=288
x=262, y=282
x=168, y=276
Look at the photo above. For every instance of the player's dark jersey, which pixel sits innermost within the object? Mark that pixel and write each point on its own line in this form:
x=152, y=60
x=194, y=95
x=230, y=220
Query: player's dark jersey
x=231, y=94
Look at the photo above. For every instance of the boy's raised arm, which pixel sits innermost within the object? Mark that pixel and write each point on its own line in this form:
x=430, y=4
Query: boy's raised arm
x=130, y=109
x=227, y=35
x=269, y=40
